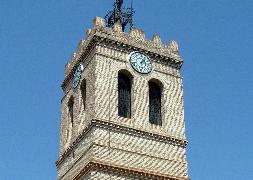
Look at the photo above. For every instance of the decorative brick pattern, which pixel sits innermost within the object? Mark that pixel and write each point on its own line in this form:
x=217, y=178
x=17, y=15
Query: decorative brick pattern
x=102, y=145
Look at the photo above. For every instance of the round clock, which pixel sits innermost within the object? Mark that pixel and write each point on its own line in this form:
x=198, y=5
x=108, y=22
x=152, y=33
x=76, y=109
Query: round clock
x=140, y=62
x=77, y=75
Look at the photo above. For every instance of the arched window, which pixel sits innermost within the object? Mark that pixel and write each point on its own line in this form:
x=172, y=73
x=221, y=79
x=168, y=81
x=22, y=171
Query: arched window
x=71, y=110
x=70, y=122
x=124, y=95
x=83, y=93
x=155, y=103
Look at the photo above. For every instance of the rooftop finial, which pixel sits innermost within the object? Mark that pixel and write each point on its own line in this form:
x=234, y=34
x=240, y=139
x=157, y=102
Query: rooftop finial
x=119, y=14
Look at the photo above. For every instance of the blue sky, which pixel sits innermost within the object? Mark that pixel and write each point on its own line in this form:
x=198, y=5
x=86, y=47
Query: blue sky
x=38, y=37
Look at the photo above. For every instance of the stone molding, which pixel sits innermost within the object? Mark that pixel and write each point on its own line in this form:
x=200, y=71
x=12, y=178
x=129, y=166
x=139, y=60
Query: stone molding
x=100, y=35
x=121, y=170
x=98, y=39
x=129, y=43
x=119, y=128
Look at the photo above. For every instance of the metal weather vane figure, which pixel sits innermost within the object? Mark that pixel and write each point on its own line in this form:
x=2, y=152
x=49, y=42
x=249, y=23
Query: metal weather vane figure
x=118, y=14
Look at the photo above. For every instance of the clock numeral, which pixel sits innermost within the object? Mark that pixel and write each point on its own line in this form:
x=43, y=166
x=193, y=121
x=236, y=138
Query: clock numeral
x=133, y=60
x=134, y=64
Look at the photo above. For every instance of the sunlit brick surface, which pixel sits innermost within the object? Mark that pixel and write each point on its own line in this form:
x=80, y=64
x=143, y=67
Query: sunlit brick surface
x=98, y=134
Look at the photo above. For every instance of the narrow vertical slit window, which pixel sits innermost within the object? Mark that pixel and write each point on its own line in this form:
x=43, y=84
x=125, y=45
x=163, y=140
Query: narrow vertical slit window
x=155, y=104
x=124, y=96
x=83, y=94
x=70, y=123
x=71, y=111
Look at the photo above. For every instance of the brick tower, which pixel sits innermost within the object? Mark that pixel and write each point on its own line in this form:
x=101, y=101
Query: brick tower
x=122, y=109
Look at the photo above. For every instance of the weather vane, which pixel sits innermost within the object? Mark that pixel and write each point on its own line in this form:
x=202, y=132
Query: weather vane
x=119, y=14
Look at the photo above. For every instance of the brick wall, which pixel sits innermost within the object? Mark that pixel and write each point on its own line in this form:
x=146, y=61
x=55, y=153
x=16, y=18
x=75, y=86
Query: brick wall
x=126, y=142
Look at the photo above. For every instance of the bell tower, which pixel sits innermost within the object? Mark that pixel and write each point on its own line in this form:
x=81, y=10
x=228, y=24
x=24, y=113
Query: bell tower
x=122, y=113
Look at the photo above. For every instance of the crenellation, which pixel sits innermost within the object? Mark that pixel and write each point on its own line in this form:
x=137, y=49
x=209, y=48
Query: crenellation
x=117, y=27
x=98, y=22
x=98, y=137
x=88, y=33
x=156, y=39
x=80, y=46
x=137, y=33
x=173, y=46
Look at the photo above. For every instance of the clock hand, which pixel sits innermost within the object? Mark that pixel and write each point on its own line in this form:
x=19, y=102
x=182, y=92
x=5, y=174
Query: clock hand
x=142, y=62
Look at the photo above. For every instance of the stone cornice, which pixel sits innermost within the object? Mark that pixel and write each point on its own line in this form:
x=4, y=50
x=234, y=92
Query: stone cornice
x=140, y=133
x=121, y=170
x=126, y=42
x=121, y=41
x=119, y=128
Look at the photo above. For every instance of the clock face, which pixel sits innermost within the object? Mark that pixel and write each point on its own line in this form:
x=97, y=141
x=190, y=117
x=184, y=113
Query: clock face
x=77, y=76
x=140, y=62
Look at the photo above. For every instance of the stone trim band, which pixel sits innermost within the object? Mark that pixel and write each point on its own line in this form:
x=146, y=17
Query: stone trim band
x=140, y=133
x=119, y=128
x=121, y=170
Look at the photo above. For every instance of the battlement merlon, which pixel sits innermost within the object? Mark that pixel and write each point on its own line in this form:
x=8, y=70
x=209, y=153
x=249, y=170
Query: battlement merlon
x=133, y=41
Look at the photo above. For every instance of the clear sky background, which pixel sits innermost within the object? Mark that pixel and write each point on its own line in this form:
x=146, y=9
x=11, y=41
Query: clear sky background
x=38, y=37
